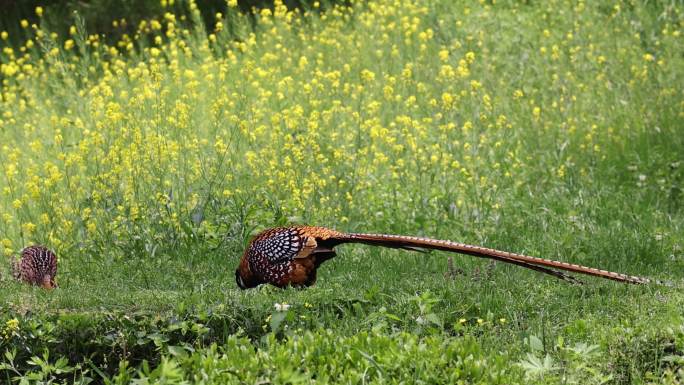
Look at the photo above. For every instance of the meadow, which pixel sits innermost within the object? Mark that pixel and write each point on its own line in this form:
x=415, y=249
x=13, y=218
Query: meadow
x=147, y=161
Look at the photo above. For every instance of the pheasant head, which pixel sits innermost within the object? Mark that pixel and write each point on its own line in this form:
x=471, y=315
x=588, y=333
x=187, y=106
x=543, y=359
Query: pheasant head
x=244, y=277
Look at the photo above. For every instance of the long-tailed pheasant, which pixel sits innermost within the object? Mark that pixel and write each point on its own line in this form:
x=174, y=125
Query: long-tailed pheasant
x=291, y=255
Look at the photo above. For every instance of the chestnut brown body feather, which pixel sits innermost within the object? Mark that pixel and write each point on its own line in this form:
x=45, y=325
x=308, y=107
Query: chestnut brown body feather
x=285, y=256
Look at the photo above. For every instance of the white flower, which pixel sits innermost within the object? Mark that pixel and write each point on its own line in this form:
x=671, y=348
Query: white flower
x=281, y=306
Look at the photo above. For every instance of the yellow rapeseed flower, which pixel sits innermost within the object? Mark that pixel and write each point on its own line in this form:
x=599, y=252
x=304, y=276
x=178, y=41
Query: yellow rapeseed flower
x=367, y=75
x=11, y=327
x=28, y=228
x=536, y=113
x=470, y=57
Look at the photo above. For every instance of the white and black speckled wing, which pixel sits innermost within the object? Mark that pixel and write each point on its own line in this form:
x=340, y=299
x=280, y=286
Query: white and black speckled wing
x=281, y=245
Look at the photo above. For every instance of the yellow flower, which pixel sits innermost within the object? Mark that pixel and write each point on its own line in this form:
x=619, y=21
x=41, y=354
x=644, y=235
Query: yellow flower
x=28, y=228
x=91, y=227
x=561, y=171
x=536, y=113
x=470, y=57
x=447, y=99
x=303, y=62
x=367, y=75
x=11, y=327
x=24, y=23
x=39, y=11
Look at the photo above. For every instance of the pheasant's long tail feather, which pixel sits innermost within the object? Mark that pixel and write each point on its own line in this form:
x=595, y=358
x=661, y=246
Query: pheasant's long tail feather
x=539, y=264
x=558, y=274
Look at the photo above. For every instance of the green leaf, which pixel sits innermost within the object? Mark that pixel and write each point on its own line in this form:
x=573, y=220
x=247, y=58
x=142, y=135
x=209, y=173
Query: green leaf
x=177, y=351
x=276, y=320
x=536, y=344
x=433, y=318
x=10, y=354
x=534, y=366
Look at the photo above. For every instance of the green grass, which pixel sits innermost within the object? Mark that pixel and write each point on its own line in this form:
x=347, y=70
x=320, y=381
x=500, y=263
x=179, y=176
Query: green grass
x=553, y=130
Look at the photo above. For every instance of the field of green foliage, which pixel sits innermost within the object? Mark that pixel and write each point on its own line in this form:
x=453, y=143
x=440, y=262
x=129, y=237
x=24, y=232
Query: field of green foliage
x=148, y=157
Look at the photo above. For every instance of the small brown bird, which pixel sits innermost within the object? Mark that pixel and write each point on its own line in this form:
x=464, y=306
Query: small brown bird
x=285, y=256
x=37, y=266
